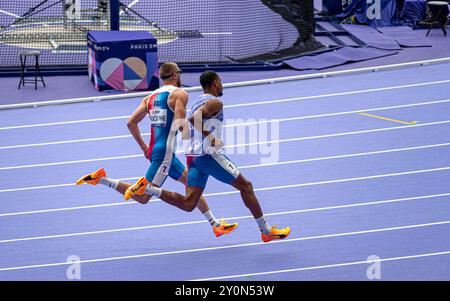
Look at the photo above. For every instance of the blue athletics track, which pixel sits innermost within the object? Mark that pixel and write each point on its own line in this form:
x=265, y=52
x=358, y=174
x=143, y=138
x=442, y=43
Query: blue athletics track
x=362, y=178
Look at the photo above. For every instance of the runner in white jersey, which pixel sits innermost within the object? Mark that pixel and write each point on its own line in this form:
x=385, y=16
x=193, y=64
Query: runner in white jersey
x=163, y=107
x=206, y=120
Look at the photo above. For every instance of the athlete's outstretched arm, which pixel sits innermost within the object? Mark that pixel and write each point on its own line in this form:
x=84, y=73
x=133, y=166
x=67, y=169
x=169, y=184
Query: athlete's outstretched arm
x=133, y=122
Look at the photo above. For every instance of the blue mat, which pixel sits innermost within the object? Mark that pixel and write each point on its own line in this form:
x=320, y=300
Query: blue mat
x=382, y=42
x=372, y=37
x=335, y=58
x=405, y=36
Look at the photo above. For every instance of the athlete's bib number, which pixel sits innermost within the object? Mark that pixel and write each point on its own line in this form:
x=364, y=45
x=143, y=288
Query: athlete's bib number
x=231, y=168
x=158, y=117
x=165, y=170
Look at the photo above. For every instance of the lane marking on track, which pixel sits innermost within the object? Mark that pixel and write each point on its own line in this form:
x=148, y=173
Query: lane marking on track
x=72, y=162
x=182, y=152
x=9, y=13
x=26, y=126
x=388, y=119
x=343, y=234
x=252, y=166
x=228, y=218
x=244, y=104
x=133, y=178
x=221, y=193
x=326, y=266
x=266, y=121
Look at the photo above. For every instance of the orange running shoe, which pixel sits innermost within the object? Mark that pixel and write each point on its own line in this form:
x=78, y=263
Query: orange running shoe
x=92, y=178
x=224, y=228
x=137, y=188
x=276, y=234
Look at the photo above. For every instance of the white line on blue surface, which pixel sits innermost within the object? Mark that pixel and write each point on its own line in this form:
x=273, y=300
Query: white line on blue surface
x=264, y=142
x=21, y=189
x=226, y=192
x=9, y=13
x=424, y=197
x=336, y=265
x=342, y=234
x=229, y=146
x=242, y=104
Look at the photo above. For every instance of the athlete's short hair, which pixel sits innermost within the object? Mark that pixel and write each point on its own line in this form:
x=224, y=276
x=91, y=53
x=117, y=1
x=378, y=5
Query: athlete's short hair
x=207, y=78
x=167, y=69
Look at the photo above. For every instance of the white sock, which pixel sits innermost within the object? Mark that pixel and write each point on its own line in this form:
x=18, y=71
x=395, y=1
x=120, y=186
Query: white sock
x=211, y=218
x=111, y=183
x=263, y=225
x=152, y=190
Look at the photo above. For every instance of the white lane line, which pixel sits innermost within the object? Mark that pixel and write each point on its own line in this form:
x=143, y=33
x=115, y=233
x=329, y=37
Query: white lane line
x=66, y=209
x=37, y=187
x=216, y=33
x=72, y=162
x=261, y=189
x=266, y=121
x=338, y=180
x=341, y=113
x=242, y=167
x=25, y=126
x=338, y=94
x=346, y=155
x=9, y=14
x=236, y=124
x=67, y=141
x=326, y=266
x=228, y=218
x=415, y=226
x=228, y=146
x=249, y=144
x=207, y=195
x=133, y=3
x=248, y=104
x=343, y=134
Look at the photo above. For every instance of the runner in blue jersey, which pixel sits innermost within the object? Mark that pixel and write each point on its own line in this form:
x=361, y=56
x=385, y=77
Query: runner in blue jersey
x=205, y=158
x=163, y=106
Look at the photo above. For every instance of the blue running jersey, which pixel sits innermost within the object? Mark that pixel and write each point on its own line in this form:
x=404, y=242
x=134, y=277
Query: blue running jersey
x=162, y=139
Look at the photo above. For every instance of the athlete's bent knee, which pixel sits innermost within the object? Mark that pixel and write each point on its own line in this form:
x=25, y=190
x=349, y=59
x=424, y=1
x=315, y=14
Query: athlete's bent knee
x=191, y=203
x=189, y=207
x=247, y=187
